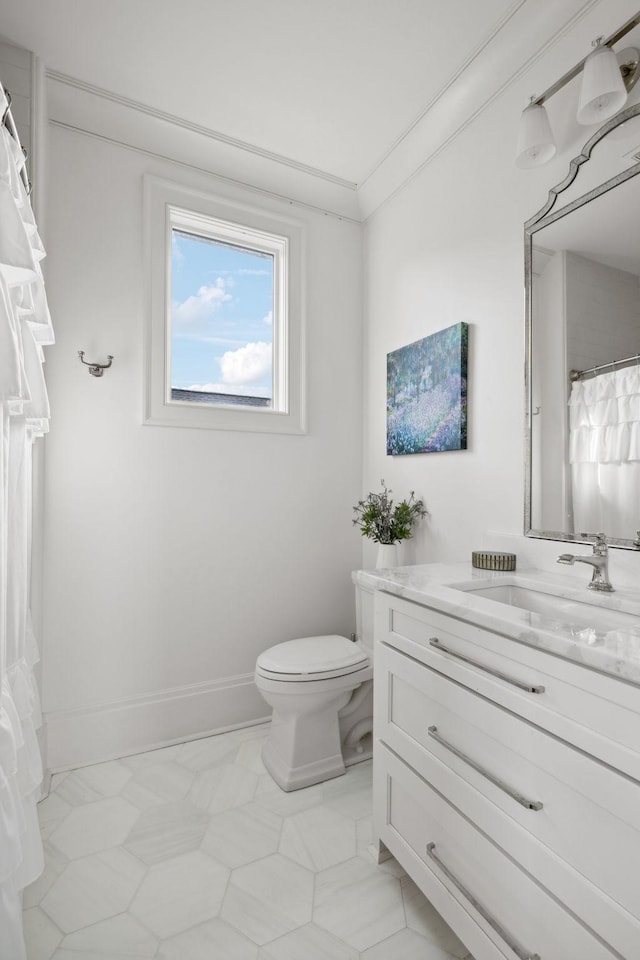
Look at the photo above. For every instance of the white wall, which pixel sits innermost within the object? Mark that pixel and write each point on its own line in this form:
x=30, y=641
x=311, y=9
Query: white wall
x=174, y=556
x=446, y=248
x=603, y=313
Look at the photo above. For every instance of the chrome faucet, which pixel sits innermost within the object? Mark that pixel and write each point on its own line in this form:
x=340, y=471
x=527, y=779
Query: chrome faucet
x=599, y=561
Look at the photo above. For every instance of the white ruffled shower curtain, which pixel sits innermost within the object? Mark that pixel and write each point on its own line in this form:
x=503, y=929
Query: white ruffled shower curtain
x=604, y=440
x=25, y=325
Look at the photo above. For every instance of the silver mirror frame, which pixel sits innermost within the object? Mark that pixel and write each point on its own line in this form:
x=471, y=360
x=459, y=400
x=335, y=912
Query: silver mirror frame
x=547, y=215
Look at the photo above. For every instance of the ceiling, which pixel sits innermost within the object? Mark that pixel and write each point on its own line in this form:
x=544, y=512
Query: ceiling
x=333, y=85
x=359, y=94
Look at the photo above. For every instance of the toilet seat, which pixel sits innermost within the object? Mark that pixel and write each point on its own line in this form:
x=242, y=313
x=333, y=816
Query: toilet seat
x=311, y=658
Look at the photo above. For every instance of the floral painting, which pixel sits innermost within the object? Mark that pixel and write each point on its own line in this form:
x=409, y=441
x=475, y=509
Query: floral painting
x=427, y=394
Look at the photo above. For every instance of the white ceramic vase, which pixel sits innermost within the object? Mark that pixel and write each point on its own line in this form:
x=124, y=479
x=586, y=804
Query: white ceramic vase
x=387, y=555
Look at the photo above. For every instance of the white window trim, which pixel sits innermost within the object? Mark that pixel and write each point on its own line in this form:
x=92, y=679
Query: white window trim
x=169, y=205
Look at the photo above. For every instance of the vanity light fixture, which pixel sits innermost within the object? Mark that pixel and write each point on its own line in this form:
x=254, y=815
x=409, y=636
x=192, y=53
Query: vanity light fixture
x=607, y=78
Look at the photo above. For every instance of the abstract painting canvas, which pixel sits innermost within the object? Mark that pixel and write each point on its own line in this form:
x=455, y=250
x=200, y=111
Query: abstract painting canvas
x=427, y=394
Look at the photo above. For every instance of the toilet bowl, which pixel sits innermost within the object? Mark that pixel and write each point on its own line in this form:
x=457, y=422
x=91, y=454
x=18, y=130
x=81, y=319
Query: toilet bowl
x=321, y=692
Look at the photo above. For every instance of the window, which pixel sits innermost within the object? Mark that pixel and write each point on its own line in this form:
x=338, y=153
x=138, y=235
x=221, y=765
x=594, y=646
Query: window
x=226, y=322
x=221, y=319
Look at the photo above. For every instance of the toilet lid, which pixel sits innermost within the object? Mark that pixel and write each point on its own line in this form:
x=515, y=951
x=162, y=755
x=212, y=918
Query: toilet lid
x=312, y=655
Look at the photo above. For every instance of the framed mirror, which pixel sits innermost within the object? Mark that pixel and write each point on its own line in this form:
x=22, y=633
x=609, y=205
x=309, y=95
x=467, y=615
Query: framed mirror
x=582, y=379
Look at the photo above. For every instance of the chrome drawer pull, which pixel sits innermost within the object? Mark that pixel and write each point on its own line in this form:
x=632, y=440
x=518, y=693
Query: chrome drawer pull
x=508, y=939
x=434, y=642
x=529, y=804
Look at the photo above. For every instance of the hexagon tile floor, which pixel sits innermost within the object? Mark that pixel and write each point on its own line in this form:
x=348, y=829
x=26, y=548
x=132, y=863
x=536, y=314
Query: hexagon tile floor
x=193, y=853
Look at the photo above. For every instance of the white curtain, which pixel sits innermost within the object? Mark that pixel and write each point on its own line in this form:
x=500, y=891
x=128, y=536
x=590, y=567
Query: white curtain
x=25, y=325
x=604, y=438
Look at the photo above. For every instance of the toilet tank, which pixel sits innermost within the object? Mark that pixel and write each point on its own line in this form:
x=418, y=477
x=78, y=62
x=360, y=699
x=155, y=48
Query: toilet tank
x=364, y=617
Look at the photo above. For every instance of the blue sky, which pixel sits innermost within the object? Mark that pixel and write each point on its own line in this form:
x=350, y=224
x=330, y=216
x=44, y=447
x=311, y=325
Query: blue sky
x=221, y=325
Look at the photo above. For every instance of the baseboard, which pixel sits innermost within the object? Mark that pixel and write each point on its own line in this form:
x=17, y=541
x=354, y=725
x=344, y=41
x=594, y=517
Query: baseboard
x=76, y=738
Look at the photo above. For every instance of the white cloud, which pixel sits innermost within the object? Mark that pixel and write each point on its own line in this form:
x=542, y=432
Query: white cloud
x=201, y=306
x=268, y=320
x=246, y=365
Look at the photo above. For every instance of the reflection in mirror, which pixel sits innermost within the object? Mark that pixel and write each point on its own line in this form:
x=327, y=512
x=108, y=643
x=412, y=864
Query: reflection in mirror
x=583, y=347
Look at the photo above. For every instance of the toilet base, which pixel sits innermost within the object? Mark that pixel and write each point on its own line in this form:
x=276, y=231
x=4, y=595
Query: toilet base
x=322, y=736
x=304, y=775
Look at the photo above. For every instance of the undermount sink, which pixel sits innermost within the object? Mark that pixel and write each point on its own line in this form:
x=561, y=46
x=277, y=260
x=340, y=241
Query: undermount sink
x=542, y=601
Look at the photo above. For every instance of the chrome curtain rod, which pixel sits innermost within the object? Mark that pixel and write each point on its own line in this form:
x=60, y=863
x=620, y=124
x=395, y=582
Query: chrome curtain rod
x=10, y=124
x=578, y=374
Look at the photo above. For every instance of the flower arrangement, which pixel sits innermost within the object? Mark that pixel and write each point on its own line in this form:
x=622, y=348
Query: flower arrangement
x=381, y=521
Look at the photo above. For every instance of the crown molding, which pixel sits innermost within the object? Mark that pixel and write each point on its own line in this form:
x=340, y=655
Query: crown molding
x=86, y=109
x=506, y=17
x=495, y=67
x=197, y=128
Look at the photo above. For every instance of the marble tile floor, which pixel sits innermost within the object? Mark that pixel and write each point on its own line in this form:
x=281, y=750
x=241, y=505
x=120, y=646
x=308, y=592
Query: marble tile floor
x=193, y=853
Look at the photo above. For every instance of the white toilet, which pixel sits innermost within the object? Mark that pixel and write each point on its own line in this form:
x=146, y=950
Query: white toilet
x=321, y=692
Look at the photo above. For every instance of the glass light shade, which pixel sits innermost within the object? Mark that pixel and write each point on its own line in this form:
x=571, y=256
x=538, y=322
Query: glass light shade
x=535, y=140
x=603, y=92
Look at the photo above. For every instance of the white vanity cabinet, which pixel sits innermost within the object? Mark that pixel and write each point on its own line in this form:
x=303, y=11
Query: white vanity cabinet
x=507, y=784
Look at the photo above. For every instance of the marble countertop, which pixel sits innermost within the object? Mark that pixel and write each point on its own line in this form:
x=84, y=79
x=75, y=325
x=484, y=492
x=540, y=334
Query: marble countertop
x=601, y=631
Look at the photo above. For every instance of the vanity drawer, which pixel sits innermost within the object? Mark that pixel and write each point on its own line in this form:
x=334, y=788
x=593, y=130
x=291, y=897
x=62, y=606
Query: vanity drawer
x=560, y=813
x=441, y=848
x=598, y=713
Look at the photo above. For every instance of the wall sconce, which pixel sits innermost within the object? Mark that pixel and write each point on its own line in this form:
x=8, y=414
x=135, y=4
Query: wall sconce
x=607, y=78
